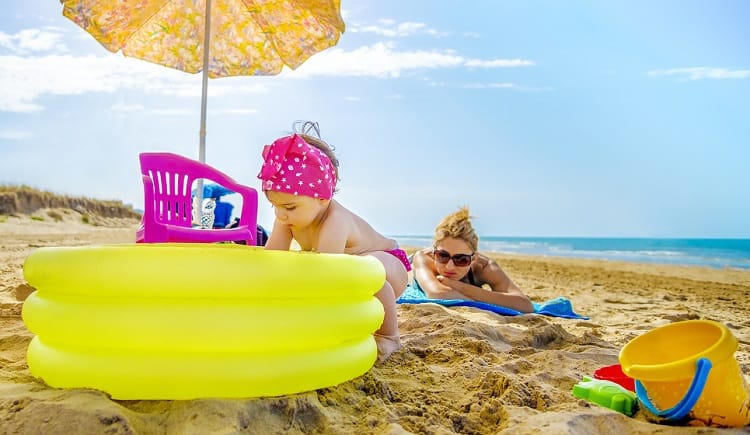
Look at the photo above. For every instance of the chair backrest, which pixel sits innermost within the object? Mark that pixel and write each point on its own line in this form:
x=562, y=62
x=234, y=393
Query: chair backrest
x=172, y=179
x=168, y=202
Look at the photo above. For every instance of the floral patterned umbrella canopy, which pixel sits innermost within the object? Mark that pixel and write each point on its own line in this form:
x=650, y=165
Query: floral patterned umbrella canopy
x=244, y=37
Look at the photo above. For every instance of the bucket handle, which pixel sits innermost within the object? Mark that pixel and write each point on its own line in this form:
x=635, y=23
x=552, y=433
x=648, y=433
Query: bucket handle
x=684, y=406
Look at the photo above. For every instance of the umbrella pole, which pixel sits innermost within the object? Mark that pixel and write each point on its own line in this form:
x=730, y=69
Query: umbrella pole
x=204, y=91
x=206, y=41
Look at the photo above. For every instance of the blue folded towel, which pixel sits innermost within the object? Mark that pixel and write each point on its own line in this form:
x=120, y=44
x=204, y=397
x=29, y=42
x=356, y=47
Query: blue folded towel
x=558, y=307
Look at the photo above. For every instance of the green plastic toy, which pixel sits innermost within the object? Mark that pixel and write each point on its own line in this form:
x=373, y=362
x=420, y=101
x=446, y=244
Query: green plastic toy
x=607, y=394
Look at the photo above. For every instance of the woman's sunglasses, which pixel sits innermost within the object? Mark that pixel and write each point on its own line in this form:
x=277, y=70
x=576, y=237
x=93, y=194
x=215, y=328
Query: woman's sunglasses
x=460, y=260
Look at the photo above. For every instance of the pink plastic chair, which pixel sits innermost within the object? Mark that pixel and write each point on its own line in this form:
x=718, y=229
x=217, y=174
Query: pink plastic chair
x=168, y=206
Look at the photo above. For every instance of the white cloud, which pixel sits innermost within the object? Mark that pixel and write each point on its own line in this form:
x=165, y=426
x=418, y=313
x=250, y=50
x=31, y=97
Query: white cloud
x=382, y=60
x=122, y=107
x=127, y=108
x=23, y=80
x=171, y=112
x=237, y=111
x=498, y=63
x=503, y=85
x=392, y=29
x=701, y=72
x=354, y=99
x=33, y=41
x=15, y=134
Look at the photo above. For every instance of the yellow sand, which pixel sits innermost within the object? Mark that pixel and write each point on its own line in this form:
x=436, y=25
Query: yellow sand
x=462, y=370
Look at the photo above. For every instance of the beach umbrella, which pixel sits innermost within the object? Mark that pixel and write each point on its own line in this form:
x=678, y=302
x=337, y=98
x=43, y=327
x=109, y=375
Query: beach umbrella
x=219, y=38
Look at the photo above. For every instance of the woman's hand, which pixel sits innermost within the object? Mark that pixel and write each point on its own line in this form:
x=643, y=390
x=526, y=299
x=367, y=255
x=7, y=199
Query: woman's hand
x=444, y=289
x=451, y=283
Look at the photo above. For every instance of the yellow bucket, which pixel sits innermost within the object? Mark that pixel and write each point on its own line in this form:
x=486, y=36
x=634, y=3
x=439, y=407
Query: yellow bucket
x=687, y=371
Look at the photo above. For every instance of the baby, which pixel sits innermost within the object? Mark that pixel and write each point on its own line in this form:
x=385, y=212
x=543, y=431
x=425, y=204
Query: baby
x=299, y=177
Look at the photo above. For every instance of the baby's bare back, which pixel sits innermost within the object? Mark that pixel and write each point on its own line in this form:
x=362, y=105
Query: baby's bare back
x=361, y=236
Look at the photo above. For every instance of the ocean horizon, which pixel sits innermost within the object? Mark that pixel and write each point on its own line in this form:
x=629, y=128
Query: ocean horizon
x=714, y=253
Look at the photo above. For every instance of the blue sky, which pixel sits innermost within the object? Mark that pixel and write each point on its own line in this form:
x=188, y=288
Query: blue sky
x=546, y=118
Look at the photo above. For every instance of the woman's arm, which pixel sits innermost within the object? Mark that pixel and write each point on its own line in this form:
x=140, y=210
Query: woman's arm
x=280, y=238
x=426, y=276
x=504, y=292
x=512, y=299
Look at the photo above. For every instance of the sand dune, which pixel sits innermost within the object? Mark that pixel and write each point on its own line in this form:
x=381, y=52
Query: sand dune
x=462, y=370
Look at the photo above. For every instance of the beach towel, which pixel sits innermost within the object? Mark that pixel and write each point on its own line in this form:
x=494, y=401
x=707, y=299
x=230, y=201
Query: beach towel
x=558, y=307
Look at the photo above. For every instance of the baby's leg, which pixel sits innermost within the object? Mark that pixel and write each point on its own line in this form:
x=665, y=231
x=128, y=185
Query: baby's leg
x=387, y=337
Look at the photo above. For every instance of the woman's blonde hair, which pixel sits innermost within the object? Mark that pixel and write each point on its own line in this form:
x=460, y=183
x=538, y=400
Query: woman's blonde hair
x=310, y=132
x=457, y=225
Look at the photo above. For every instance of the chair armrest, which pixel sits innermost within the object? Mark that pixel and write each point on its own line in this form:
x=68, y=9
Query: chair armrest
x=249, y=214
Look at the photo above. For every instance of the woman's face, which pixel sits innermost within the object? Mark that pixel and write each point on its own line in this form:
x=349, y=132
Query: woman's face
x=452, y=251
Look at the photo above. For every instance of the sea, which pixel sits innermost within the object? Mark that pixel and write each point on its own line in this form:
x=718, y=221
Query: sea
x=715, y=253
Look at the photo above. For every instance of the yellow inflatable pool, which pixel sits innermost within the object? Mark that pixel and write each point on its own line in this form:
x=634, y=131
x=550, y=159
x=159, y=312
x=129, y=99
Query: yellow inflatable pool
x=183, y=321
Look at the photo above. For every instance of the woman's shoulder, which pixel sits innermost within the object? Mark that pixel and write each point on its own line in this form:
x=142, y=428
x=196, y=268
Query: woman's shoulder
x=485, y=269
x=482, y=258
x=421, y=254
x=482, y=261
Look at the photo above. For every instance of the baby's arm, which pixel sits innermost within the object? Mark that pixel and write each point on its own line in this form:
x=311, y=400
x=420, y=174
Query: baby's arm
x=280, y=238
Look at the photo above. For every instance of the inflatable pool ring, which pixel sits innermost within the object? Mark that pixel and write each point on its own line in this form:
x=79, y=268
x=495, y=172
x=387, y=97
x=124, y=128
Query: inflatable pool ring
x=184, y=321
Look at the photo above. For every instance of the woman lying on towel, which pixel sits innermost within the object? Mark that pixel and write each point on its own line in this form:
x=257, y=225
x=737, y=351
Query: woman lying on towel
x=453, y=269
